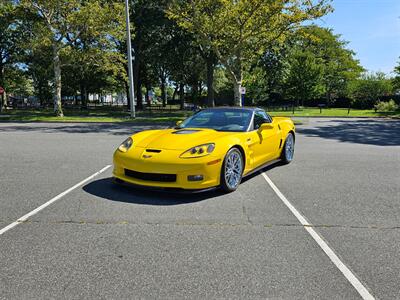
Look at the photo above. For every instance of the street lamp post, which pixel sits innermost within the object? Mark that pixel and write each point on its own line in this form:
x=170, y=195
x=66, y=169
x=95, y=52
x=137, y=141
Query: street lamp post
x=130, y=71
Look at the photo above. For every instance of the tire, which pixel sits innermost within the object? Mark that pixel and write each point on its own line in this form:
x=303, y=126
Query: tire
x=232, y=170
x=288, y=149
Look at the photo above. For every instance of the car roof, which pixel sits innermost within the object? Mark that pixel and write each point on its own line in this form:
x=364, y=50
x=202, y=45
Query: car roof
x=233, y=108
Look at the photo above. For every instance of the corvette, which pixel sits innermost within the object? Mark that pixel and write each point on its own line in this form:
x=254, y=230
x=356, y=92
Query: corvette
x=215, y=147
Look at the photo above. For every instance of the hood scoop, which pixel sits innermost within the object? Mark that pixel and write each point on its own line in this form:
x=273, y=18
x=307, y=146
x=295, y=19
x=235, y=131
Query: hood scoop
x=185, y=131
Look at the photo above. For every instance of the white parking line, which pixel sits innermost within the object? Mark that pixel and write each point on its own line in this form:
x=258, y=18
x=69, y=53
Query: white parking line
x=361, y=289
x=43, y=206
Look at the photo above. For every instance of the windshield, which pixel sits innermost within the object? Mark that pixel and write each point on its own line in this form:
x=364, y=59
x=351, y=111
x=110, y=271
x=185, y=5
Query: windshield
x=220, y=120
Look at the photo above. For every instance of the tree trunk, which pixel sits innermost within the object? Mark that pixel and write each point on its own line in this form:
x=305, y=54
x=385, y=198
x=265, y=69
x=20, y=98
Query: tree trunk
x=200, y=88
x=163, y=93
x=1, y=74
x=137, y=82
x=139, y=96
x=148, y=90
x=236, y=90
x=1, y=85
x=328, y=99
x=210, y=81
x=84, y=96
x=194, y=93
x=175, y=92
x=1, y=102
x=236, y=76
x=40, y=95
x=57, y=81
x=147, y=96
x=182, y=96
x=127, y=95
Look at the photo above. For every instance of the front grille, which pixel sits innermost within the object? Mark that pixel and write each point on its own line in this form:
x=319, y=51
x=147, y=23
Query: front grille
x=151, y=176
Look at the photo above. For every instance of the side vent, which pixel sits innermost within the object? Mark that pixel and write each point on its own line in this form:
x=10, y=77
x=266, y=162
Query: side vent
x=153, y=150
x=279, y=126
x=280, y=144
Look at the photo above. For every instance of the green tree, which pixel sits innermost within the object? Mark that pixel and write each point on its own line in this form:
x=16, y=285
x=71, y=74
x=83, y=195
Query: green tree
x=396, y=79
x=69, y=22
x=369, y=88
x=305, y=77
x=54, y=16
x=325, y=59
x=38, y=60
x=240, y=31
x=92, y=55
x=265, y=80
x=186, y=65
x=338, y=63
x=12, y=36
x=152, y=45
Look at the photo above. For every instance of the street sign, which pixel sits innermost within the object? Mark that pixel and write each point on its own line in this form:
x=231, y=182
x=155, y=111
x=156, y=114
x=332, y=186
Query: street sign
x=1, y=90
x=242, y=90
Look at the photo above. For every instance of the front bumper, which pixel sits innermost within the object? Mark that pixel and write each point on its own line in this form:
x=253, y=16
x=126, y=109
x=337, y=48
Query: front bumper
x=167, y=162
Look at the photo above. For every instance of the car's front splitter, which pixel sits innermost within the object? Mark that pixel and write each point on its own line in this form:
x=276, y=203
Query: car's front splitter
x=162, y=189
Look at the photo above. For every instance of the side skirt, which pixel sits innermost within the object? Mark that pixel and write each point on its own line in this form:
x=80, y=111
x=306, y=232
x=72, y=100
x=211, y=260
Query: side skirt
x=267, y=164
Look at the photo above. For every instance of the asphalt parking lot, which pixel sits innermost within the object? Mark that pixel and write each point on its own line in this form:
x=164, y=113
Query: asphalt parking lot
x=104, y=241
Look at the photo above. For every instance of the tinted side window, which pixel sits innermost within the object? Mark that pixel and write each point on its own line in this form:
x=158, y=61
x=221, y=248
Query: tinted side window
x=267, y=118
x=259, y=119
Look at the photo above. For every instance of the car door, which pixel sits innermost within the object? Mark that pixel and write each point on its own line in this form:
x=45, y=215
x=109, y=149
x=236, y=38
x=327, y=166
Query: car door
x=265, y=142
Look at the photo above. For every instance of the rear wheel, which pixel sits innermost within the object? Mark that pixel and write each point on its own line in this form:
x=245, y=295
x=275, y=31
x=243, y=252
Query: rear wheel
x=288, y=149
x=232, y=170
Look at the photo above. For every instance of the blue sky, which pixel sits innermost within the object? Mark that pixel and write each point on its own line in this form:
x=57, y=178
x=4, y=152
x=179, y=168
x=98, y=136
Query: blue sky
x=373, y=29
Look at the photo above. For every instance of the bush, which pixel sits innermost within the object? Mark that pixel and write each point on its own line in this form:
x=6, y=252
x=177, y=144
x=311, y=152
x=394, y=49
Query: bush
x=386, y=106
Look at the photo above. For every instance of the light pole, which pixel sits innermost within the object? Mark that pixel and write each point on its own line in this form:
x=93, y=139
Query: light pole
x=130, y=72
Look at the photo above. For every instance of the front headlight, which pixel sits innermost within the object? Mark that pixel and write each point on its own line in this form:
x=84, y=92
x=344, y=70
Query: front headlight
x=124, y=147
x=198, y=151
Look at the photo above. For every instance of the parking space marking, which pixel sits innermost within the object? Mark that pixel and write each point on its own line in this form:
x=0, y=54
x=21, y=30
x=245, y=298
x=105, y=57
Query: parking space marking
x=361, y=289
x=43, y=206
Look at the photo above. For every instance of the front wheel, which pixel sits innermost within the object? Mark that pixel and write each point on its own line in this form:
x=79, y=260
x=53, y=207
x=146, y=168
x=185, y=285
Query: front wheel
x=288, y=149
x=232, y=170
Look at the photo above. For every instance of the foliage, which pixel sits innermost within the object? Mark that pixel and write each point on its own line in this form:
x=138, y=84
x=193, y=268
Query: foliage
x=313, y=63
x=266, y=79
x=386, y=106
x=338, y=63
x=396, y=79
x=12, y=37
x=368, y=89
x=305, y=75
x=21, y=84
x=182, y=49
x=81, y=30
x=240, y=31
x=91, y=58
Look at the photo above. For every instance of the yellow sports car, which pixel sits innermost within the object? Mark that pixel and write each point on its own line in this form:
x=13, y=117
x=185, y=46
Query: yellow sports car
x=215, y=147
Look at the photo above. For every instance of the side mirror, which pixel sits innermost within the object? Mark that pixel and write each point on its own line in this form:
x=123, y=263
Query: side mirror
x=265, y=126
x=178, y=122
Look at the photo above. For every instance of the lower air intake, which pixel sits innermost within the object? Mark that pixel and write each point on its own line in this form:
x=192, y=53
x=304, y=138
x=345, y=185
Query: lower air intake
x=151, y=176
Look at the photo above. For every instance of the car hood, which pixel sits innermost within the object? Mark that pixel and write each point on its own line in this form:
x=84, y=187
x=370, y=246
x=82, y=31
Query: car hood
x=180, y=139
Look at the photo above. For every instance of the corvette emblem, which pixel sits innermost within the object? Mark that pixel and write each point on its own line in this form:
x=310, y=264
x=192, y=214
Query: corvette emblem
x=147, y=156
